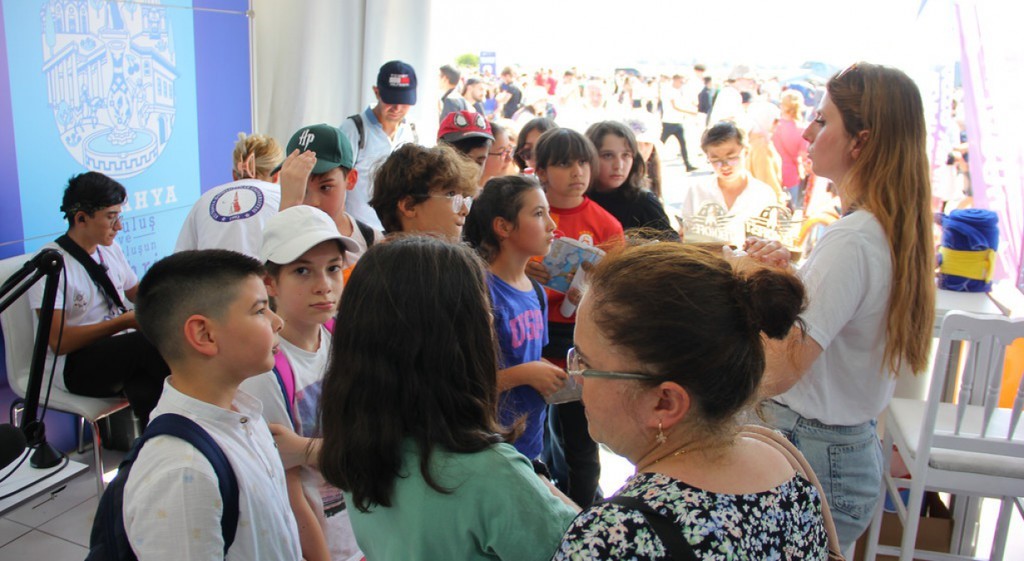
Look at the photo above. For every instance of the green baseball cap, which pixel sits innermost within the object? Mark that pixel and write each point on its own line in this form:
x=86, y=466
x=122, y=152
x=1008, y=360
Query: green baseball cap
x=330, y=144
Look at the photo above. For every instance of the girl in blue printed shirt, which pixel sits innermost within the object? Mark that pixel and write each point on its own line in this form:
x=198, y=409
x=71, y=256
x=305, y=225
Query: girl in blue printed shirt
x=509, y=224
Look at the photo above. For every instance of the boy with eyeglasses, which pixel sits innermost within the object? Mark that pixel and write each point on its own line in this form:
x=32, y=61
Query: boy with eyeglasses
x=100, y=351
x=732, y=188
x=425, y=190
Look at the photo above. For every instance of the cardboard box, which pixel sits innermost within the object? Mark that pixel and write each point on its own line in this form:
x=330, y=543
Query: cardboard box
x=934, y=530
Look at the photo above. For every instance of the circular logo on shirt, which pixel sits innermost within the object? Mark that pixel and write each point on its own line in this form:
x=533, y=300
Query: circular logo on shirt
x=236, y=203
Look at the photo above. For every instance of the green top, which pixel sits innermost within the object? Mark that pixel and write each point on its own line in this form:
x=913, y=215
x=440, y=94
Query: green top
x=498, y=509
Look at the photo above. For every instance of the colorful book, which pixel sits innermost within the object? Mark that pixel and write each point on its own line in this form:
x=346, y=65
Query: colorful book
x=565, y=258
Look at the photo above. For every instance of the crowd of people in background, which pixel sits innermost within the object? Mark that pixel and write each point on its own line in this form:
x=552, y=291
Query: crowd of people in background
x=379, y=303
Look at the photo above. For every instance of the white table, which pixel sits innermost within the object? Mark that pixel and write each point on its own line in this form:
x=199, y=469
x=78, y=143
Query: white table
x=28, y=482
x=974, y=302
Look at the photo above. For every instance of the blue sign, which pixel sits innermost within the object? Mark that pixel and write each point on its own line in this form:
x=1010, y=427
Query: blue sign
x=117, y=88
x=488, y=63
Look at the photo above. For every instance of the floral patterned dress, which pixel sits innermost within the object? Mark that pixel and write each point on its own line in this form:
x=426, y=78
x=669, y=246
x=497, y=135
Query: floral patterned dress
x=781, y=523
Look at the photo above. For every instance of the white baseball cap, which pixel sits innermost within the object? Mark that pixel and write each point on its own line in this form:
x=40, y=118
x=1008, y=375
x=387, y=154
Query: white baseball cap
x=295, y=230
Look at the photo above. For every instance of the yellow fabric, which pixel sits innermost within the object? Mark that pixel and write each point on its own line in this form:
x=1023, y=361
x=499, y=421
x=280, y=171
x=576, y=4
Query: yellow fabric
x=977, y=265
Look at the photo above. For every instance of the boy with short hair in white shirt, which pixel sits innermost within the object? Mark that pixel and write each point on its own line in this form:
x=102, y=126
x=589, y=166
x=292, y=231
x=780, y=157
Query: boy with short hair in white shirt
x=207, y=312
x=305, y=257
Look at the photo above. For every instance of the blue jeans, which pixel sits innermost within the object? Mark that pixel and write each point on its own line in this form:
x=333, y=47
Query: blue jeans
x=847, y=461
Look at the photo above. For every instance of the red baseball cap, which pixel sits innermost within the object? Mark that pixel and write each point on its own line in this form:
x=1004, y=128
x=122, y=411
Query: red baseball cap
x=459, y=125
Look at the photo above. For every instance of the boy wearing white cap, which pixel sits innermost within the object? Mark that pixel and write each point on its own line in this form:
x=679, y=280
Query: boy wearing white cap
x=304, y=256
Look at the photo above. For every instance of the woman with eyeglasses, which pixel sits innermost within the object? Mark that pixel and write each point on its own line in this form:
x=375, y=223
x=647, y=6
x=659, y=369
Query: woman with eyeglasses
x=667, y=365
x=499, y=156
x=732, y=191
x=870, y=286
x=424, y=190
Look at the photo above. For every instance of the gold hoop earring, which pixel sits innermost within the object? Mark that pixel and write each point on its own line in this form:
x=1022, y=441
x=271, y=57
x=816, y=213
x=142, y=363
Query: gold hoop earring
x=660, y=437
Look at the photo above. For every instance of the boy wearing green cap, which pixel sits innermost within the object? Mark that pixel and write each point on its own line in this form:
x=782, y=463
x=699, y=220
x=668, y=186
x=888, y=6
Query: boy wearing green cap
x=320, y=171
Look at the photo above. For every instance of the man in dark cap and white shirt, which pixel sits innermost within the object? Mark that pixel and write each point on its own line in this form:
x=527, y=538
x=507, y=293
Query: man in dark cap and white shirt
x=377, y=131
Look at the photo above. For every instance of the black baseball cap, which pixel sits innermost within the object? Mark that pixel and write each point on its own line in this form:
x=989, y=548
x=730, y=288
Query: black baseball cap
x=396, y=83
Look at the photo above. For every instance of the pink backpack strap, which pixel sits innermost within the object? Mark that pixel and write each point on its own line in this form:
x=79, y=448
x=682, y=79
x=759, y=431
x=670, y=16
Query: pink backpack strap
x=286, y=378
x=329, y=324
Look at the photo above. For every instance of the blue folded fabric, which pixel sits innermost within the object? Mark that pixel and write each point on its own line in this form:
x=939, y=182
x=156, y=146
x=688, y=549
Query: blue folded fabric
x=971, y=229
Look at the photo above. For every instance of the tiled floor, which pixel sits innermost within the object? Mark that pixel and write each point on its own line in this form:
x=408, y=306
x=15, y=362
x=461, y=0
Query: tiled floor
x=54, y=527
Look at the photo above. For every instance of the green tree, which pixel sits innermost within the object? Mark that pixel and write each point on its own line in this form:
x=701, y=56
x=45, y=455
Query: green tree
x=468, y=60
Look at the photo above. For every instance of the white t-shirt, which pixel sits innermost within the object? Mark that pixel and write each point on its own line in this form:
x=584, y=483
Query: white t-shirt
x=848, y=277
x=308, y=368
x=231, y=216
x=675, y=96
x=728, y=107
x=378, y=146
x=750, y=202
x=85, y=303
x=172, y=506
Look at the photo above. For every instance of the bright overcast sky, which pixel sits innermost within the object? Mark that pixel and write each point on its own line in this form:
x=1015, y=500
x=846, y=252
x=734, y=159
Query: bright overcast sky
x=658, y=34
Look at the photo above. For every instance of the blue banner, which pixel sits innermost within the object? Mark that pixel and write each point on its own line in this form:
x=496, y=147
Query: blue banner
x=118, y=88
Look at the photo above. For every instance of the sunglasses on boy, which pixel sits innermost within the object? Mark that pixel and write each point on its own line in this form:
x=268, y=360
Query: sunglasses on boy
x=731, y=162
x=573, y=367
x=457, y=200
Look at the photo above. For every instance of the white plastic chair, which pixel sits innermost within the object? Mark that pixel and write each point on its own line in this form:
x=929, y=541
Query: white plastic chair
x=19, y=335
x=971, y=448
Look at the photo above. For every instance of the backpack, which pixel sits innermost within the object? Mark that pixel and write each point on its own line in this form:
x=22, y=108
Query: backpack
x=286, y=376
x=358, y=120
x=109, y=540
x=368, y=234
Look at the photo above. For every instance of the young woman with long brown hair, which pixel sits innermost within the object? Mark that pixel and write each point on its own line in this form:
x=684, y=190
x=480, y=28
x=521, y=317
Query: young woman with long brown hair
x=870, y=287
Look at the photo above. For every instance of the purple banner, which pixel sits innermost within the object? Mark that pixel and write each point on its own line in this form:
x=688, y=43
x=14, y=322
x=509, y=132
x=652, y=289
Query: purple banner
x=991, y=63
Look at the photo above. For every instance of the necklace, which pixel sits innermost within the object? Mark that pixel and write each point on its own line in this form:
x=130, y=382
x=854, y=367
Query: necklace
x=677, y=452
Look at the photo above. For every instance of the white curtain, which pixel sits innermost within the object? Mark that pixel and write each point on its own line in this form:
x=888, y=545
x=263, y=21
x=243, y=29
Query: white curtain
x=316, y=61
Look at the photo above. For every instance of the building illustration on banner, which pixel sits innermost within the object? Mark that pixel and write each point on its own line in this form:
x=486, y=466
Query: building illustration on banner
x=110, y=71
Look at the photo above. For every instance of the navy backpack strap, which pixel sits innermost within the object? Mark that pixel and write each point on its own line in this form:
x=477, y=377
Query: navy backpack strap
x=668, y=532
x=186, y=429
x=358, y=120
x=540, y=297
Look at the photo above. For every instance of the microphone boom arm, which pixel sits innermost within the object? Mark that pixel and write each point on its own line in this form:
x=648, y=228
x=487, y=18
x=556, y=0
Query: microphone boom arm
x=47, y=263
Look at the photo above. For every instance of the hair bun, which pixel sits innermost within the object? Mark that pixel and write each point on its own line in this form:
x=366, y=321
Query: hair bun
x=773, y=299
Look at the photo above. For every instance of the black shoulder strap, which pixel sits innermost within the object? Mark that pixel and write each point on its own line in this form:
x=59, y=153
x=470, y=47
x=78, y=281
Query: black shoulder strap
x=366, y=231
x=358, y=120
x=666, y=530
x=540, y=297
x=97, y=272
